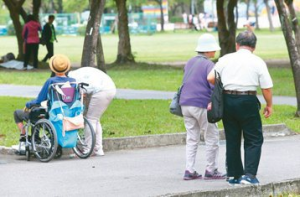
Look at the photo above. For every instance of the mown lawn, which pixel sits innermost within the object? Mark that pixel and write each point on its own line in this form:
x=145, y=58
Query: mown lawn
x=159, y=47
x=131, y=118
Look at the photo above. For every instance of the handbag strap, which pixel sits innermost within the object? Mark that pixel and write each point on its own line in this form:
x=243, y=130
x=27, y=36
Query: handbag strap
x=192, y=68
x=217, y=76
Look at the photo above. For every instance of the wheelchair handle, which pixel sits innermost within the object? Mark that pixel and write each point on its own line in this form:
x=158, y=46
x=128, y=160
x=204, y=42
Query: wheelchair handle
x=83, y=84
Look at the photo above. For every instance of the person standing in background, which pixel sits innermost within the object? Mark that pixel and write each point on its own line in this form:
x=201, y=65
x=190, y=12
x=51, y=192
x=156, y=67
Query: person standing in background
x=31, y=38
x=48, y=37
x=194, y=100
x=241, y=73
x=99, y=93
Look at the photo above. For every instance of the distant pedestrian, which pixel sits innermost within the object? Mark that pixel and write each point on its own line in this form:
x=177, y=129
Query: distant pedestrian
x=31, y=38
x=241, y=73
x=194, y=100
x=185, y=18
x=48, y=37
x=99, y=93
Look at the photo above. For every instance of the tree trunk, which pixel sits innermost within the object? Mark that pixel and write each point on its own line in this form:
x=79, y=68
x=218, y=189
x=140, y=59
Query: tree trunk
x=23, y=14
x=236, y=15
x=36, y=9
x=294, y=21
x=91, y=34
x=256, y=15
x=226, y=35
x=100, y=53
x=269, y=15
x=292, y=49
x=247, y=9
x=14, y=8
x=162, y=20
x=175, y=7
x=201, y=6
x=60, y=6
x=124, y=47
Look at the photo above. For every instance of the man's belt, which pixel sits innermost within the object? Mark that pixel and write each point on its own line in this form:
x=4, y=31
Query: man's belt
x=239, y=92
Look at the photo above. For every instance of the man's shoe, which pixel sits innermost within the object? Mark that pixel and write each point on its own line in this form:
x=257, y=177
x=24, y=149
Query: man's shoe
x=234, y=182
x=191, y=176
x=214, y=175
x=247, y=180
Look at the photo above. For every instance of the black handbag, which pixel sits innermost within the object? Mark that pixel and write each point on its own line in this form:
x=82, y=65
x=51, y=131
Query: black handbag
x=215, y=114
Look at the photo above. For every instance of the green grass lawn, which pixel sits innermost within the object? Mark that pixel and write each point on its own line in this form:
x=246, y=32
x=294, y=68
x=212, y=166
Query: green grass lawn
x=159, y=47
x=153, y=115
x=131, y=118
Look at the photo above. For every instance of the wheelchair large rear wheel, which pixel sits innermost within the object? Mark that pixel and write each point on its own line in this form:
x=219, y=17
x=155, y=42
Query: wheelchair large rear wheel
x=85, y=141
x=44, y=140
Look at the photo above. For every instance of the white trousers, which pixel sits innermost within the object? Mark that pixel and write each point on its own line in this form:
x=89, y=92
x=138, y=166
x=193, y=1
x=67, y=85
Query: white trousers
x=97, y=105
x=195, y=120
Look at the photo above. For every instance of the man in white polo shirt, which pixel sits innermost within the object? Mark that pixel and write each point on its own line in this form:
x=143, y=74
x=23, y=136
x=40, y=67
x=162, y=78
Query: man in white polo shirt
x=241, y=73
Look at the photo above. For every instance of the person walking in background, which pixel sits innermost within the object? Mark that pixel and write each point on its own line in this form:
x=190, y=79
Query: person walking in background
x=99, y=93
x=31, y=38
x=194, y=100
x=48, y=37
x=241, y=73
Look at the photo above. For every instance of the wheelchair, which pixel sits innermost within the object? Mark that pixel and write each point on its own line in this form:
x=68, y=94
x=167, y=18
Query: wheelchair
x=44, y=140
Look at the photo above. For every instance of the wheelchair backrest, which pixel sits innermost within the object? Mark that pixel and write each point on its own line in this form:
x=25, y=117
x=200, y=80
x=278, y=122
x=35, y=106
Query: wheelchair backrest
x=66, y=92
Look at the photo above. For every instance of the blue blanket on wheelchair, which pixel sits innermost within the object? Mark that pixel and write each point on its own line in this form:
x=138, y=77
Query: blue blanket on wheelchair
x=56, y=116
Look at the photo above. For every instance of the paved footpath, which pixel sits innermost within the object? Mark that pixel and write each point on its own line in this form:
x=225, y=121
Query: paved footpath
x=143, y=172
x=32, y=91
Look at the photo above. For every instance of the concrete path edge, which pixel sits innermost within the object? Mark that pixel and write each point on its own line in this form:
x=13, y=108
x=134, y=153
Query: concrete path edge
x=271, y=189
x=274, y=130
x=148, y=141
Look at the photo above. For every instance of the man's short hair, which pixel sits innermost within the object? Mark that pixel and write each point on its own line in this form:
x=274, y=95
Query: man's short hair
x=246, y=38
x=51, y=17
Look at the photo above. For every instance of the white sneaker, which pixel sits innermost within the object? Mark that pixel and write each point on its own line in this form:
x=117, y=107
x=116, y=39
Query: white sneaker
x=17, y=147
x=99, y=152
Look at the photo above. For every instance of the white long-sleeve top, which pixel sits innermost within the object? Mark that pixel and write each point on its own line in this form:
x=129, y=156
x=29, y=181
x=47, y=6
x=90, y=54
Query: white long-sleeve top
x=97, y=79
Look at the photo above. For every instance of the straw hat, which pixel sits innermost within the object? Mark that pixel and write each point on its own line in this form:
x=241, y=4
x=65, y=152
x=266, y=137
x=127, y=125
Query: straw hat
x=60, y=63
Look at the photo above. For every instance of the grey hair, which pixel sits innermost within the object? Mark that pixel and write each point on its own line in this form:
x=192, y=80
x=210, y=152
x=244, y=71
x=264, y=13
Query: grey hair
x=246, y=38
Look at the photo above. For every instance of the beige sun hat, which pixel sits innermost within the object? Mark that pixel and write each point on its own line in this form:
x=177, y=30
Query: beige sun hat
x=60, y=63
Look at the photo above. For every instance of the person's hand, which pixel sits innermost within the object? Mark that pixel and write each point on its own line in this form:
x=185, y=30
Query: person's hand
x=209, y=106
x=26, y=109
x=267, y=112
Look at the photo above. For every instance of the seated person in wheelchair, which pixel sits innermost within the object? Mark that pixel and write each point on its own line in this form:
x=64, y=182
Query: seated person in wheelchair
x=60, y=65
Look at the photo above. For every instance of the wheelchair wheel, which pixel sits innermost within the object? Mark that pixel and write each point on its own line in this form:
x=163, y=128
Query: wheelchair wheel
x=27, y=153
x=85, y=141
x=58, y=153
x=44, y=140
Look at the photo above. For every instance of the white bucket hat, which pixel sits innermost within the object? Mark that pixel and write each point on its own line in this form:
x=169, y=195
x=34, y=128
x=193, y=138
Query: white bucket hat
x=207, y=43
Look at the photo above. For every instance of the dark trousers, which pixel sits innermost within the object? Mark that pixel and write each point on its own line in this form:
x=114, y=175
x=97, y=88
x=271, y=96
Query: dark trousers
x=34, y=50
x=241, y=117
x=50, y=49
